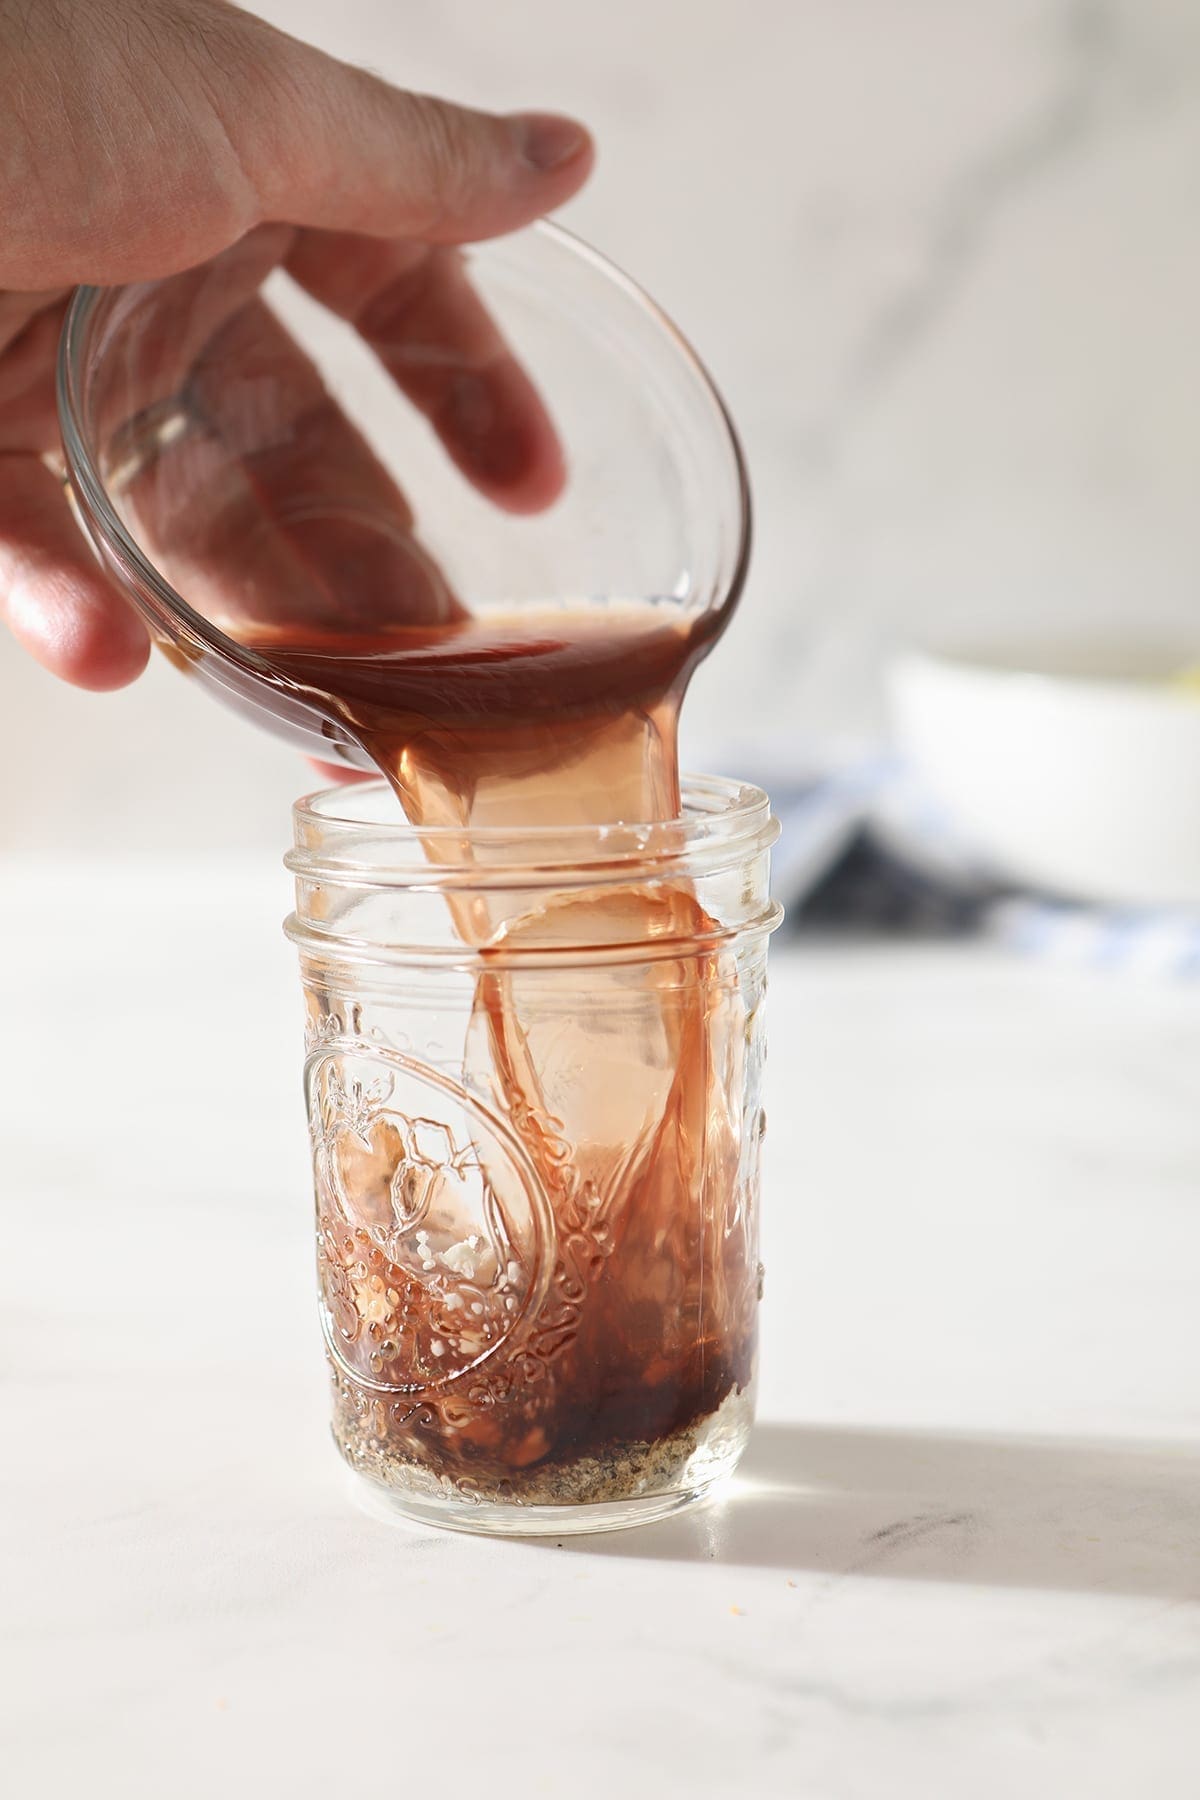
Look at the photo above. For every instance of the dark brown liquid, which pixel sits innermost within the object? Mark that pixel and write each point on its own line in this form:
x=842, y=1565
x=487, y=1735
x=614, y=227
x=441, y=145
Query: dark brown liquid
x=620, y=1081
x=531, y=717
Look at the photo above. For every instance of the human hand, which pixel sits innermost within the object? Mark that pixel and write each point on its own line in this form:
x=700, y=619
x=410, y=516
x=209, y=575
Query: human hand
x=145, y=136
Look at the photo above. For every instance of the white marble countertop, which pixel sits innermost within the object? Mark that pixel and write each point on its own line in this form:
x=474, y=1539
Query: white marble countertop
x=965, y=1558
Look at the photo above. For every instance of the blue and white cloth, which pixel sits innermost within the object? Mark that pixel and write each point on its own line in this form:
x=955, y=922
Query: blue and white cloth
x=865, y=849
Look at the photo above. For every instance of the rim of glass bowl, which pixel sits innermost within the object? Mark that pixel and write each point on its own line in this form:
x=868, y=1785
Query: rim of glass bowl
x=155, y=594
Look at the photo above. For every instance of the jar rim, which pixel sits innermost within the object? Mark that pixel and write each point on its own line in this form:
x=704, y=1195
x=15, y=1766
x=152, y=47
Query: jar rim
x=356, y=835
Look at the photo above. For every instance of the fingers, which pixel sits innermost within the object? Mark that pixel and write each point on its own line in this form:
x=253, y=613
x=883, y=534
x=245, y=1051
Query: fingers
x=271, y=514
x=417, y=310
x=16, y=311
x=317, y=478
x=28, y=415
x=337, y=148
x=53, y=596
x=166, y=328
x=268, y=402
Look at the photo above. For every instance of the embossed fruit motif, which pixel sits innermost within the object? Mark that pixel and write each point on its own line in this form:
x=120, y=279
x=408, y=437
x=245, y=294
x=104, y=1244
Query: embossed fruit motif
x=506, y=1297
x=428, y=1261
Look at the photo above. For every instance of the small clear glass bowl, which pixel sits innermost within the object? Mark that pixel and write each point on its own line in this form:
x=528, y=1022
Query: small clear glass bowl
x=242, y=459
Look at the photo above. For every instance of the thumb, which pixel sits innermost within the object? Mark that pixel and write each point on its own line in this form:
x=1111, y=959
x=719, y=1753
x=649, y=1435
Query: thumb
x=347, y=152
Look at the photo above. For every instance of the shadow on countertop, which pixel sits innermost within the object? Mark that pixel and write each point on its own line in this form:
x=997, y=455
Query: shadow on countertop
x=1097, y=1517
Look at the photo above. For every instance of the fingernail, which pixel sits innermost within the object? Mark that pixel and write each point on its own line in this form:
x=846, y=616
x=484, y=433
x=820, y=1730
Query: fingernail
x=548, y=141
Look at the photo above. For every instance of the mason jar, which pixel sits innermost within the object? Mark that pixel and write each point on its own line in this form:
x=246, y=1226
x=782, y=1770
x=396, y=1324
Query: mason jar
x=534, y=1084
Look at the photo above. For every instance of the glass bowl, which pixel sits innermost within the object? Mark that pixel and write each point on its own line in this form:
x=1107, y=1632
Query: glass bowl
x=250, y=466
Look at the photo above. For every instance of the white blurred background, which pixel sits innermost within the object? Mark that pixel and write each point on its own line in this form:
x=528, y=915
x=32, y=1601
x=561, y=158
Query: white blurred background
x=944, y=261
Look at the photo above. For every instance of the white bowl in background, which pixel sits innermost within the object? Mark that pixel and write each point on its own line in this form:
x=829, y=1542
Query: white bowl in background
x=1076, y=771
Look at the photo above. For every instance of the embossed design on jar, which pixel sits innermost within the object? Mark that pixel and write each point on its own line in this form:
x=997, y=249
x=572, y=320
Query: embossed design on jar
x=436, y=1242
x=321, y=1028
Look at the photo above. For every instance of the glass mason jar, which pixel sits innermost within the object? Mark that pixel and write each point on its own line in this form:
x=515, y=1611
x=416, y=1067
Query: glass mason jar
x=536, y=1152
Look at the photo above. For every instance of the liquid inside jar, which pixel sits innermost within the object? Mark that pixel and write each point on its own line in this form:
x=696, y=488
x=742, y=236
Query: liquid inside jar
x=589, y=1337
